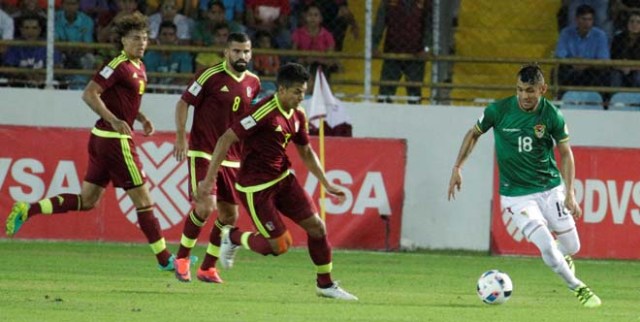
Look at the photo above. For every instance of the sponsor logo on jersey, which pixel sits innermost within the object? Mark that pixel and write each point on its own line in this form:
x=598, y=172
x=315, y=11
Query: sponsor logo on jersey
x=195, y=89
x=224, y=88
x=106, y=72
x=135, y=75
x=248, y=122
x=539, y=130
x=279, y=128
x=510, y=130
x=249, y=91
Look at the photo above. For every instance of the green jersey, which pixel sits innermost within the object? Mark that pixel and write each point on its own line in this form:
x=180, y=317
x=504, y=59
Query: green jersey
x=524, y=144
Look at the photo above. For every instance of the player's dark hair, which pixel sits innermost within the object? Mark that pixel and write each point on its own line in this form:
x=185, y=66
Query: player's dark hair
x=240, y=37
x=125, y=24
x=531, y=74
x=292, y=74
x=585, y=9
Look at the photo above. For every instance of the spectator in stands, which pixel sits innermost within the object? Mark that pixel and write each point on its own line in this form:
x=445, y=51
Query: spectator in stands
x=94, y=8
x=72, y=25
x=28, y=8
x=313, y=37
x=626, y=45
x=105, y=21
x=601, y=12
x=34, y=57
x=620, y=11
x=234, y=9
x=337, y=18
x=271, y=16
x=169, y=12
x=187, y=8
x=6, y=27
x=203, y=31
x=583, y=41
x=408, y=25
x=265, y=64
x=207, y=59
x=168, y=61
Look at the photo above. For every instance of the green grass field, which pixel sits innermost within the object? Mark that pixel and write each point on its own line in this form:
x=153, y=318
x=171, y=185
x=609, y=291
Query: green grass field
x=63, y=281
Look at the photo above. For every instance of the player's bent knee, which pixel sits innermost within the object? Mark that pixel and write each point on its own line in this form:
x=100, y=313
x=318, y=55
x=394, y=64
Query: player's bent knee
x=282, y=243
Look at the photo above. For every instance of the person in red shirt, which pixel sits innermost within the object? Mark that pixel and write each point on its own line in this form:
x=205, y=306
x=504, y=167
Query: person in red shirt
x=219, y=95
x=267, y=187
x=115, y=94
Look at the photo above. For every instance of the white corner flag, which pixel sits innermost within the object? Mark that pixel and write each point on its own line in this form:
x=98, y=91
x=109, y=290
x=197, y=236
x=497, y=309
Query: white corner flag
x=324, y=105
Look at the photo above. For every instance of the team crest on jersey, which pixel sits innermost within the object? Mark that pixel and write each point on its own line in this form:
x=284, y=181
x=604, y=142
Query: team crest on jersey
x=135, y=75
x=539, y=130
x=106, y=72
x=195, y=89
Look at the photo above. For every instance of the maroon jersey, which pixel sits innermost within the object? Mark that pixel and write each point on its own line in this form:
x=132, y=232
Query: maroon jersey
x=265, y=134
x=123, y=83
x=219, y=99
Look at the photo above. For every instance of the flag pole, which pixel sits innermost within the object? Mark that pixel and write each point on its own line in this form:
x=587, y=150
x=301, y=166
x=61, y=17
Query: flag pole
x=322, y=191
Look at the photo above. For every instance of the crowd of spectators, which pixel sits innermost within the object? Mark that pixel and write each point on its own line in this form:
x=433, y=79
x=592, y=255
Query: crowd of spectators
x=315, y=25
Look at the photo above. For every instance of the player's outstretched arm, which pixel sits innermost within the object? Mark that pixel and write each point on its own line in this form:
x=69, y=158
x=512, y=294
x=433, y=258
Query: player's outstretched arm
x=181, y=147
x=468, y=143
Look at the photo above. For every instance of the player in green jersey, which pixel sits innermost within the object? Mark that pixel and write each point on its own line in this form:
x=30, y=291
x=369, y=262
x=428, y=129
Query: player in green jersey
x=526, y=126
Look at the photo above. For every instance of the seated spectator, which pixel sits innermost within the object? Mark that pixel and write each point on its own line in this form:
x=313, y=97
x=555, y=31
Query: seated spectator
x=15, y=8
x=314, y=37
x=583, y=41
x=34, y=57
x=337, y=18
x=234, y=9
x=94, y=8
x=620, y=11
x=6, y=27
x=187, y=8
x=207, y=59
x=601, y=12
x=203, y=31
x=271, y=16
x=28, y=8
x=626, y=45
x=169, y=12
x=168, y=61
x=265, y=64
x=105, y=21
x=72, y=25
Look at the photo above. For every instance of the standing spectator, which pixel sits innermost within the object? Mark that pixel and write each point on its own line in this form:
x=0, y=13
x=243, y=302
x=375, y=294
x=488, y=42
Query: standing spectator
x=583, y=41
x=72, y=25
x=34, y=57
x=203, y=31
x=337, y=18
x=626, y=45
x=408, y=26
x=207, y=59
x=6, y=27
x=313, y=37
x=169, y=12
x=168, y=61
x=271, y=16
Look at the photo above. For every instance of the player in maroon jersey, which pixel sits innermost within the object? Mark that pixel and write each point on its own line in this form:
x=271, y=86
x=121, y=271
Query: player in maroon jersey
x=265, y=184
x=219, y=94
x=114, y=93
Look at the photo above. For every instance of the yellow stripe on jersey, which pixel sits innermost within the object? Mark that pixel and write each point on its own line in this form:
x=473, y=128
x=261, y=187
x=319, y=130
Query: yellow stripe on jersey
x=262, y=186
x=109, y=134
x=131, y=165
x=265, y=109
x=209, y=72
x=205, y=155
x=118, y=60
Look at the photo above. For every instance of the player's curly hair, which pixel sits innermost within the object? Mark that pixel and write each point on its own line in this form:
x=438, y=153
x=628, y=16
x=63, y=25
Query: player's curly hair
x=291, y=74
x=531, y=74
x=125, y=24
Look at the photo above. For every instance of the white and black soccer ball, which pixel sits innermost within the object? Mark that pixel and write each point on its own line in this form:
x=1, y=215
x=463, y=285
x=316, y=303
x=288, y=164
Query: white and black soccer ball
x=494, y=287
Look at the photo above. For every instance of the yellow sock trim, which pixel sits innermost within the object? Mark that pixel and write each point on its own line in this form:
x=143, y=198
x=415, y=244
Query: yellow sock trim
x=244, y=240
x=213, y=250
x=46, y=207
x=187, y=242
x=158, y=246
x=218, y=224
x=195, y=220
x=324, y=269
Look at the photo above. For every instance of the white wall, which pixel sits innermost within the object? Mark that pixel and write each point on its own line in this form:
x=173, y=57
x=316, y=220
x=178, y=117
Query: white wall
x=433, y=135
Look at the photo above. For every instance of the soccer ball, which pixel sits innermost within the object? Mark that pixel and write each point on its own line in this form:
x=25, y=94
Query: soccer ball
x=494, y=287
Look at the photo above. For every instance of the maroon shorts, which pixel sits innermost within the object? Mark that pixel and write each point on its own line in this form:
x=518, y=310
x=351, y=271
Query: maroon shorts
x=225, y=180
x=115, y=160
x=287, y=197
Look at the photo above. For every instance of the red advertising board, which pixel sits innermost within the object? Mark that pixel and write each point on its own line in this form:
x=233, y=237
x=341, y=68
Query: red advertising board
x=608, y=190
x=37, y=162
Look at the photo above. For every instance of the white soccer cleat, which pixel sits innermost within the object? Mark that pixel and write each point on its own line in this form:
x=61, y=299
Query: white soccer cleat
x=228, y=250
x=335, y=292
